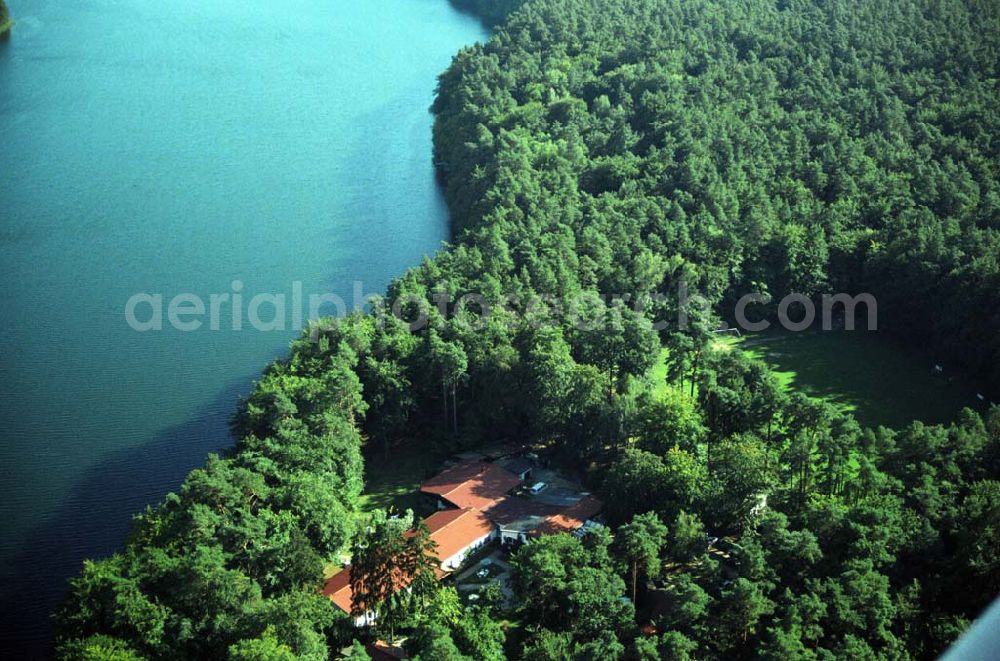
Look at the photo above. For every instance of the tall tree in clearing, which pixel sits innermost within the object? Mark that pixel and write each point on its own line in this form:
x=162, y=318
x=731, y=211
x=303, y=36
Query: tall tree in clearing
x=392, y=569
x=641, y=542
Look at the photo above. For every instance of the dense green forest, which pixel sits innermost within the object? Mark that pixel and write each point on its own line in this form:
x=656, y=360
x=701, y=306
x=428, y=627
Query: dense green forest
x=774, y=147
x=623, y=147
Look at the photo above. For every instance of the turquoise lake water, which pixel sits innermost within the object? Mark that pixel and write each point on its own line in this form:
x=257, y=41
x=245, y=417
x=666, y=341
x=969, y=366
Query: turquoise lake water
x=174, y=147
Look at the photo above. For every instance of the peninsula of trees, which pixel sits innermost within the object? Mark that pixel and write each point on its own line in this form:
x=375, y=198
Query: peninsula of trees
x=623, y=147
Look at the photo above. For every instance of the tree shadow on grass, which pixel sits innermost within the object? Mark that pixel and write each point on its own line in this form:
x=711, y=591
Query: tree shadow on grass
x=95, y=518
x=815, y=370
x=394, y=482
x=881, y=382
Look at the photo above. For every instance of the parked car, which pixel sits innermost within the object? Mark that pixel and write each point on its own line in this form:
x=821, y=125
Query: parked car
x=538, y=487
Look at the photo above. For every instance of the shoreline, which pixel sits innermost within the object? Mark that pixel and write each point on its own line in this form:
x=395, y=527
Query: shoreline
x=32, y=639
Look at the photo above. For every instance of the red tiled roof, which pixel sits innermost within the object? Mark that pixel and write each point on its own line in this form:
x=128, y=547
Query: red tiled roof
x=472, y=487
x=455, y=530
x=451, y=530
x=517, y=507
x=572, y=518
x=477, y=485
x=443, y=518
x=338, y=589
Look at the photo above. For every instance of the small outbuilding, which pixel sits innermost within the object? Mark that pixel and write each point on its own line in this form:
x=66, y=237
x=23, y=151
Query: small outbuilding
x=520, y=466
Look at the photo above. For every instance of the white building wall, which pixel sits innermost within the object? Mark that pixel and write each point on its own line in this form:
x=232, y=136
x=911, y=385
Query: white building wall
x=456, y=560
x=508, y=536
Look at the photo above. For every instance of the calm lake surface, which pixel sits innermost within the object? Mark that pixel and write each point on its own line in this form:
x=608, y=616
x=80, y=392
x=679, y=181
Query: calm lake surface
x=171, y=147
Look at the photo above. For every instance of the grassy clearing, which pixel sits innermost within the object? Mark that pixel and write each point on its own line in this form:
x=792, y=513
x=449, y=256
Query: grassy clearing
x=658, y=376
x=879, y=381
x=867, y=374
x=392, y=481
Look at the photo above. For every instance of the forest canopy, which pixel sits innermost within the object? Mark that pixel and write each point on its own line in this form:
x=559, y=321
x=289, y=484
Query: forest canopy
x=774, y=147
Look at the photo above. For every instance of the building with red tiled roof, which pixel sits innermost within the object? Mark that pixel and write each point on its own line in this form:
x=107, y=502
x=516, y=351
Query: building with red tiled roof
x=457, y=533
x=572, y=518
x=476, y=485
x=517, y=517
x=338, y=589
x=476, y=508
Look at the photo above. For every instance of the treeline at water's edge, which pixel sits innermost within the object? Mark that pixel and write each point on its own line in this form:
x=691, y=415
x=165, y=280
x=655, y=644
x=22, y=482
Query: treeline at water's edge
x=6, y=22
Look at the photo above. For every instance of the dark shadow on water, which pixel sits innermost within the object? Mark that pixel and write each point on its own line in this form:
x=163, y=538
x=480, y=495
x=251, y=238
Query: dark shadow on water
x=467, y=7
x=95, y=518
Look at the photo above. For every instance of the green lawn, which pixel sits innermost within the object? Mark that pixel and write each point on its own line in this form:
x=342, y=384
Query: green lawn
x=881, y=382
x=878, y=380
x=393, y=481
